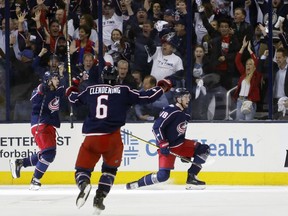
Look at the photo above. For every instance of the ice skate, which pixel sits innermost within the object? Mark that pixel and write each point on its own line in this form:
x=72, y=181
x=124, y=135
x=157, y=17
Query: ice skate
x=193, y=183
x=98, y=202
x=35, y=184
x=15, y=167
x=85, y=188
x=132, y=185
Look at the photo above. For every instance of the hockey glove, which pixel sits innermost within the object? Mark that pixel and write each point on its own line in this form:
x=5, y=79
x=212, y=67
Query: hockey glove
x=71, y=89
x=164, y=147
x=76, y=81
x=165, y=84
x=43, y=88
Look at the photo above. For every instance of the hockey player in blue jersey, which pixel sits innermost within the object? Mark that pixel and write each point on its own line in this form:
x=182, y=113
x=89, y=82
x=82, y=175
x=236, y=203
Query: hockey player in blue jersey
x=44, y=119
x=169, y=130
x=108, y=104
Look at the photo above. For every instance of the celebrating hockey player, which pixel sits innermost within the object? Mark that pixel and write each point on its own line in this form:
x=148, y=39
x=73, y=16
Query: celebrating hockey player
x=169, y=130
x=44, y=119
x=108, y=104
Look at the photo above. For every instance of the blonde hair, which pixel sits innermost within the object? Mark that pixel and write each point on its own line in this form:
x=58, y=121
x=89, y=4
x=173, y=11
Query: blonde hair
x=249, y=76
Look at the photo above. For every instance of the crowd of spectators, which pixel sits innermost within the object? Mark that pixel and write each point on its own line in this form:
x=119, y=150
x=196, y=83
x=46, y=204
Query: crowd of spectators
x=146, y=40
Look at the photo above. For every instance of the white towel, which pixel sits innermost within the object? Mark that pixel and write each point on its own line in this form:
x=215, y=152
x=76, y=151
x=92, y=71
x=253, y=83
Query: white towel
x=281, y=105
x=200, y=88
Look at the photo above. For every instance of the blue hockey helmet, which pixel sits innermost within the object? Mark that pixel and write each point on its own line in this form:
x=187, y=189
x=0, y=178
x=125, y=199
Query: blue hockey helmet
x=109, y=75
x=48, y=76
x=180, y=92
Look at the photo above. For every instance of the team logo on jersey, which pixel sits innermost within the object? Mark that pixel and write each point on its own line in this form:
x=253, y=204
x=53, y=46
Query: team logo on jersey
x=181, y=128
x=54, y=104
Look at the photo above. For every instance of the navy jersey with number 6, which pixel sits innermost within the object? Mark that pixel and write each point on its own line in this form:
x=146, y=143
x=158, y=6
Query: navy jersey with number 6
x=108, y=105
x=171, y=125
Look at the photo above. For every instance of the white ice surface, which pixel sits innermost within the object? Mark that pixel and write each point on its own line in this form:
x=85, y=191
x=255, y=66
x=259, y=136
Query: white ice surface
x=166, y=200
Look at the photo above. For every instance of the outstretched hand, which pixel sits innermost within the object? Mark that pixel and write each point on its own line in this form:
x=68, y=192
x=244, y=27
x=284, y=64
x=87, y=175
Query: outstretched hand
x=250, y=47
x=244, y=42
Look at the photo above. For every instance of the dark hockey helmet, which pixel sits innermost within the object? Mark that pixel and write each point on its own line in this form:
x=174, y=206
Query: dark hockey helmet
x=109, y=75
x=48, y=76
x=180, y=92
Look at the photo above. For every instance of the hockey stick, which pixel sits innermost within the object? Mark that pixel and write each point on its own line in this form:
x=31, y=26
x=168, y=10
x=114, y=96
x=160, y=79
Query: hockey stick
x=152, y=144
x=68, y=61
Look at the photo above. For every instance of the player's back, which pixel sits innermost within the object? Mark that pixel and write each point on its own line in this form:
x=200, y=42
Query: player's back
x=108, y=106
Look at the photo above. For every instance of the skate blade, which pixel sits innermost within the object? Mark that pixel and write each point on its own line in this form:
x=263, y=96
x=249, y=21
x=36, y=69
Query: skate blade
x=97, y=211
x=34, y=187
x=132, y=186
x=81, y=199
x=195, y=187
x=13, y=168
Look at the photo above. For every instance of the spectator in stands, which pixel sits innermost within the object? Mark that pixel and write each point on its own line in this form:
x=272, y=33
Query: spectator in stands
x=223, y=52
x=85, y=19
x=249, y=84
x=283, y=34
x=279, y=8
x=51, y=65
x=135, y=22
x=86, y=74
x=124, y=76
x=201, y=98
x=112, y=19
x=211, y=25
x=60, y=16
x=149, y=112
x=204, y=14
x=22, y=82
x=82, y=45
x=119, y=49
x=138, y=79
x=48, y=9
x=169, y=17
x=76, y=8
x=241, y=28
x=21, y=37
x=280, y=87
x=61, y=49
x=259, y=40
x=154, y=11
x=181, y=38
x=253, y=12
x=126, y=10
x=141, y=38
x=50, y=36
x=13, y=38
x=181, y=10
x=221, y=8
x=165, y=62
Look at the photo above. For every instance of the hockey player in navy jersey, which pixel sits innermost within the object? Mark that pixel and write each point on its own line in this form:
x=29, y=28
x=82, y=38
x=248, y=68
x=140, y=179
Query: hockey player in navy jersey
x=169, y=130
x=44, y=119
x=108, y=104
